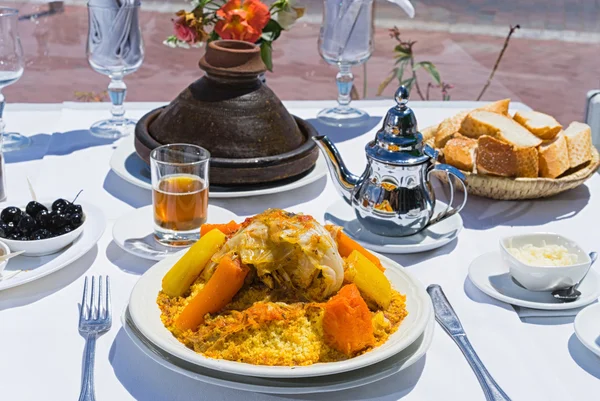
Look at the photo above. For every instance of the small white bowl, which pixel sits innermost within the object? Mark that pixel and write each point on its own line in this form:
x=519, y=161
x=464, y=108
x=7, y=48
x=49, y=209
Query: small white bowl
x=45, y=246
x=4, y=250
x=544, y=278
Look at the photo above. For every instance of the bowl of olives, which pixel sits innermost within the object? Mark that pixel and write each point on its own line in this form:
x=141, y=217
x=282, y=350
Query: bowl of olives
x=41, y=228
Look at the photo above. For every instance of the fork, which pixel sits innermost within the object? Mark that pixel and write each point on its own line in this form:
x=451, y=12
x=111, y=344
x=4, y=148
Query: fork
x=95, y=319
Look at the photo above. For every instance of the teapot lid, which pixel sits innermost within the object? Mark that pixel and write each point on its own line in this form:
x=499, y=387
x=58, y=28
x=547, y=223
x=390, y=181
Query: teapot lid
x=399, y=140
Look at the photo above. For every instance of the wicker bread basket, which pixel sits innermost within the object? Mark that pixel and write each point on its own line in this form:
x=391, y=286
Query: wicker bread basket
x=503, y=188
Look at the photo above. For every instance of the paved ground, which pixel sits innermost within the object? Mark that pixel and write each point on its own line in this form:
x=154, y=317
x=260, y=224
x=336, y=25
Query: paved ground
x=551, y=71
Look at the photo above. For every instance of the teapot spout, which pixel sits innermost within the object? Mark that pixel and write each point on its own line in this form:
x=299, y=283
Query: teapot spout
x=344, y=180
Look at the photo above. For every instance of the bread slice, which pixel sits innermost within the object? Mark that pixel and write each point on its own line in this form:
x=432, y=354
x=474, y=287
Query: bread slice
x=448, y=128
x=495, y=157
x=528, y=163
x=429, y=132
x=501, y=127
x=554, y=157
x=500, y=107
x=579, y=143
x=460, y=153
x=541, y=125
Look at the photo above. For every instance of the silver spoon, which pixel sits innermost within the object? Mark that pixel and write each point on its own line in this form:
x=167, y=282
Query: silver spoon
x=571, y=294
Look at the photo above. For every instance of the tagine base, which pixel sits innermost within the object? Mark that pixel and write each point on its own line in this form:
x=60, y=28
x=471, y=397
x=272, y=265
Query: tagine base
x=343, y=117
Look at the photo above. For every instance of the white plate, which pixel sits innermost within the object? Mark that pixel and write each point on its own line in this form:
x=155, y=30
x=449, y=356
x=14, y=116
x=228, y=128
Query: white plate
x=31, y=268
x=146, y=317
x=341, y=214
x=587, y=328
x=343, y=381
x=46, y=246
x=489, y=273
x=127, y=165
x=134, y=232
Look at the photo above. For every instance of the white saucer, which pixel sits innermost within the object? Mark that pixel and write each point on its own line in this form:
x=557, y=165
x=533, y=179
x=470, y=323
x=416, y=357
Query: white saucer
x=341, y=214
x=489, y=273
x=587, y=328
x=127, y=165
x=24, y=269
x=134, y=232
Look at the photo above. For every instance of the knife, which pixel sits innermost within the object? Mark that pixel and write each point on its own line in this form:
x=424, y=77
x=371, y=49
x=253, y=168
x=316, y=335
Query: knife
x=447, y=318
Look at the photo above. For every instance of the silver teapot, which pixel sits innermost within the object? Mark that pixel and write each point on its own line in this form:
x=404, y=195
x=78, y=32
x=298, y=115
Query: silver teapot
x=393, y=196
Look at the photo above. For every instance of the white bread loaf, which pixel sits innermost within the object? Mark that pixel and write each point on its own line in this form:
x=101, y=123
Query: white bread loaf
x=579, y=143
x=541, y=125
x=450, y=126
x=503, y=128
x=554, y=157
x=528, y=163
x=460, y=153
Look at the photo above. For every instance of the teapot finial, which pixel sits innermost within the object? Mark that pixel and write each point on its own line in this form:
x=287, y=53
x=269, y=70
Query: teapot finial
x=401, y=96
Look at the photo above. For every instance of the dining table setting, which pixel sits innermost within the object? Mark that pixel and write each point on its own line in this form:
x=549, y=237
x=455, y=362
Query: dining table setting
x=227, y=245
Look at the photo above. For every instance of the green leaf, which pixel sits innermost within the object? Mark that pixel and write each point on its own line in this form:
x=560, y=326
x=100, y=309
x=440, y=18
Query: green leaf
x=403, y=51
x=431, y=69
x=271, y=31
x=386, y=81
x=402, y=59
x=408, y=83
x=213, y=36
x=400, y=70
x=266, y=53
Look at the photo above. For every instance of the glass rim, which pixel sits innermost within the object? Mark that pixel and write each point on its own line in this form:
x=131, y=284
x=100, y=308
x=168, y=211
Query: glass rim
x=205, y=157
x=8, y=11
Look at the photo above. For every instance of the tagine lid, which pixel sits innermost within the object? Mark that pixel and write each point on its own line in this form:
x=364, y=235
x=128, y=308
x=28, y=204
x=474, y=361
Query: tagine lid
x=399, y=141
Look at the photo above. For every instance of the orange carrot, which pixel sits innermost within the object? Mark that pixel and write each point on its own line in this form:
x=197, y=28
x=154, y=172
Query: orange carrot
x=225, y=282
x=347, y=321
x=227, y=228
x=346, y=245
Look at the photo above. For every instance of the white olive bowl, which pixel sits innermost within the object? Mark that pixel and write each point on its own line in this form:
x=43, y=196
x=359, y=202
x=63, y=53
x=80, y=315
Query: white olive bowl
x=4, y=250
x=46, y=246
x=544, y=278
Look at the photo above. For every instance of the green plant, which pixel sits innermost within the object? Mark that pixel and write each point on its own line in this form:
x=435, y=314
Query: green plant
x=407, y=67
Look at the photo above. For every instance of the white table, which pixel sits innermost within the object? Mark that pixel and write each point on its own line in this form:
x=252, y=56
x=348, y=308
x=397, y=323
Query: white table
x=41, y=349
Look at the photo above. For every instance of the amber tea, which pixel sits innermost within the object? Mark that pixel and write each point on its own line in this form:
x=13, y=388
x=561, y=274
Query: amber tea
x=180, y=202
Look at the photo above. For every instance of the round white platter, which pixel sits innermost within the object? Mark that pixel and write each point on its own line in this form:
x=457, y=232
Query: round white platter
x=438, y=235
x=145, y=314
x=126, y=164
x=25, y=269
x=134, y=232
x=342, y=381
x=489, y=273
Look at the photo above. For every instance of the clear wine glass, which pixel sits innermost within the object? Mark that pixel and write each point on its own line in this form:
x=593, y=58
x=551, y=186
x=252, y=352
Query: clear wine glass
x=115, y=48
x=346, y=39
x=11, y=69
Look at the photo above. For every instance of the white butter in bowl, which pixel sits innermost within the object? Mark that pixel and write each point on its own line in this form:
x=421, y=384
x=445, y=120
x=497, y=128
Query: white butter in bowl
x=544, y=261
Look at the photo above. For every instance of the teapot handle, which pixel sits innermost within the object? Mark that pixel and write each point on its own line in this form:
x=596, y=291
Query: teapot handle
x=450, y=211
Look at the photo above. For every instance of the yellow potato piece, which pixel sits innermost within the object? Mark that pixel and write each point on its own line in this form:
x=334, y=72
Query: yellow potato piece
x=183, y=274
x=371, y=281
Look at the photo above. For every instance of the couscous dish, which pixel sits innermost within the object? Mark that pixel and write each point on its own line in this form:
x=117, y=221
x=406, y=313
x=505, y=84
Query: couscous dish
x=279, y=289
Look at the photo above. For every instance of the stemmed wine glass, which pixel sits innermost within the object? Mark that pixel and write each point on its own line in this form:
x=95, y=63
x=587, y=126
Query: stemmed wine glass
x=11, y=69
x=115, y=48
x=346, y=39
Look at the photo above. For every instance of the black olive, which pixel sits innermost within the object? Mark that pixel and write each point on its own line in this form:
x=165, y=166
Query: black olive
x=5, y=230
x=11, y=214
x=76, y=219
x=26, y=224
x=11, y=228
x=64, y=230
x=15, y=236
x=33, y=208
x=58, y=220
x=72, y=209
x=44, y=218
x=40, y=234
x=60, y=204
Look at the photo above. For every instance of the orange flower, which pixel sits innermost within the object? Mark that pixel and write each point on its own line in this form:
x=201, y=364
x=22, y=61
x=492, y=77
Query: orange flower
x=242, y=21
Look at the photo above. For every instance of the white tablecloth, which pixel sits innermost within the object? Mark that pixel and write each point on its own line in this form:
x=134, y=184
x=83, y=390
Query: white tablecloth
x=41, y=349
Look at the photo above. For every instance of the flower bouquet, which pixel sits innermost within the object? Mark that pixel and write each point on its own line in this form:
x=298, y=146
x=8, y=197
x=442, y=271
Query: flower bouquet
x=248, y=20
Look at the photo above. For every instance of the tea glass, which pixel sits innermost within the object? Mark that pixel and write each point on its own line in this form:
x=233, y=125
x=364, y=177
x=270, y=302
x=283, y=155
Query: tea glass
x=179, y=192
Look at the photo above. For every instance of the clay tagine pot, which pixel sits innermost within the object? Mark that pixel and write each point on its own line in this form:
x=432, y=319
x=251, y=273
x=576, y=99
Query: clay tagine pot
x=252, y=138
